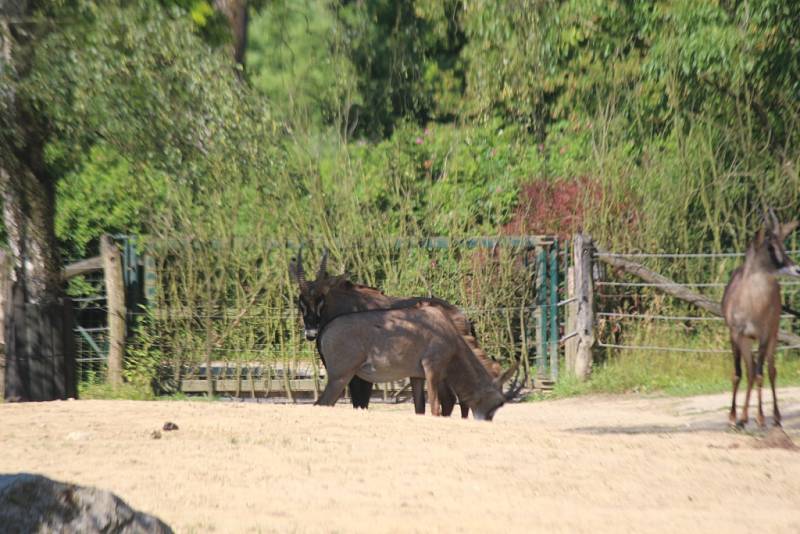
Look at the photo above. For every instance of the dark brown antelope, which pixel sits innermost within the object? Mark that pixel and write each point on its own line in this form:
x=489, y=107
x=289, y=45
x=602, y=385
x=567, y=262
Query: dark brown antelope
x=751, y=305
x=329, y=297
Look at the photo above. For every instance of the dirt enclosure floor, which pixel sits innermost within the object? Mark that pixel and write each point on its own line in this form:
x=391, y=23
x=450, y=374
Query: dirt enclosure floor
x=588, y=464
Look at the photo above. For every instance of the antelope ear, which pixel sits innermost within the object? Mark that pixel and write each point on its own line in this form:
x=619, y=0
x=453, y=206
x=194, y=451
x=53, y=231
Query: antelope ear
x=785, y=229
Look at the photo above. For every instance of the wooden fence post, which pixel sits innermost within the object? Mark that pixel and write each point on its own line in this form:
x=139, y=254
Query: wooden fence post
x=5, y=285
x=115, y=297
x=583, y=251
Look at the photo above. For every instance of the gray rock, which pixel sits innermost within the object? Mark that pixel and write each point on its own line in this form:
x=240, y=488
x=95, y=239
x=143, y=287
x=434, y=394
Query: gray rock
x=33, y=503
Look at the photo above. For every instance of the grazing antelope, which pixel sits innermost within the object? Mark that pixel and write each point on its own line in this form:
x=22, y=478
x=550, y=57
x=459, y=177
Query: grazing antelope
x=421, y=342
x=329, y=297
x=751, y=305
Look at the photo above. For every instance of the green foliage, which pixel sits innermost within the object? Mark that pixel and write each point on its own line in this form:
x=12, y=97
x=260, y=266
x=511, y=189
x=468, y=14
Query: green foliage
x=173, y=121
x=359, y=122
x=103, y=196
x=295, y=59
x=406, y=59
x=443, y=179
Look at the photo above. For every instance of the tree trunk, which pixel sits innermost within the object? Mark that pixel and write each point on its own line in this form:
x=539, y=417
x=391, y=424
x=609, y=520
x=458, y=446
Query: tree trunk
x=236, y=13
x=40, y=332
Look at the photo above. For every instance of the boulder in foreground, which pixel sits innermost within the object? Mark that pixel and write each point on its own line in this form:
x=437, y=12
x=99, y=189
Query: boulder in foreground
x=34, y=503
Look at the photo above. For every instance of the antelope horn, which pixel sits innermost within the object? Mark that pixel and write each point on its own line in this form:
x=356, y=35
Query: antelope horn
x=323, y=265
x=770, y=220
x=506, y=376
x=776, y=225
x=296, y=270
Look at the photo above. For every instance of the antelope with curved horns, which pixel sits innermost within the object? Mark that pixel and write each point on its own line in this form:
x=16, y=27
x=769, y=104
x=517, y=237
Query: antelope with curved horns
x=329, y=297
x=751, y=305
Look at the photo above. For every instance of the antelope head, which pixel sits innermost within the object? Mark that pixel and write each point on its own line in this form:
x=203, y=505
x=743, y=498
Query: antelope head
x=311, y=300
x=770, y=253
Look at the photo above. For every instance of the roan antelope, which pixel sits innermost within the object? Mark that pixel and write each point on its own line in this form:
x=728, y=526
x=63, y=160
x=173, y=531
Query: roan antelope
x=751, y=306
x=325, y=299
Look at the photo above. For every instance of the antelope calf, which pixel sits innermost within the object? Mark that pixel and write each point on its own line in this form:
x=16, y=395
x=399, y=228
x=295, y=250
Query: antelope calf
x=751, y=305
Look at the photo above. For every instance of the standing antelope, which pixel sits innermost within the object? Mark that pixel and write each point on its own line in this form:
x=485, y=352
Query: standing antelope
x=751, y=305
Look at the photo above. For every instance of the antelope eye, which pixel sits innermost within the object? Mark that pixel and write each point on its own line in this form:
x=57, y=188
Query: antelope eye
x=320, y=305
x=302, y=306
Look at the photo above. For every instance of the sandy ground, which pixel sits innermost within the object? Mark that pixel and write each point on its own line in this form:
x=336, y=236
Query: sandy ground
x=589, y=464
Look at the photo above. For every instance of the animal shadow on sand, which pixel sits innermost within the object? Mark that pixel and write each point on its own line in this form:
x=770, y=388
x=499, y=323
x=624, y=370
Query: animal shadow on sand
x=710, y=423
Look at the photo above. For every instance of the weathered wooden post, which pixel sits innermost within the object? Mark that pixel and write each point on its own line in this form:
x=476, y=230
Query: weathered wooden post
x=5, y=285
x=115, y=298
x=583, y=252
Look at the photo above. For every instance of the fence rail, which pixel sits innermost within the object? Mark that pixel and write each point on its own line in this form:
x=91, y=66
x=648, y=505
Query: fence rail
x=679, y=290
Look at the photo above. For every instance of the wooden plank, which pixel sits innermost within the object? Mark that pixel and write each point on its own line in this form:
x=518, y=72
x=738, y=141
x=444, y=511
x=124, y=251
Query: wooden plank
x=298, y=385
x=57, y=348
x=13, y=379
x=69, y=350
x=229, y=385
x=5, y=289
x=32, y=353
x=681, y=292
x=115, y=297
x=82, y=267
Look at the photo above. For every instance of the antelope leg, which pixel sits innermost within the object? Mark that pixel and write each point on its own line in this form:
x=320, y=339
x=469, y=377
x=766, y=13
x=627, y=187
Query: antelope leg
x=333, y=390
x=447, y=399
x=418, y=393
x=762, y=349
x=432, y=377
x=737, y=377
x=464, y=409
x=749, y=367
x=360, y=392
x=773, y=375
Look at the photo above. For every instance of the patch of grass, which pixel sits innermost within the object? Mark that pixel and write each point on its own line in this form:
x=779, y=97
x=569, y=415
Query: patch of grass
x=108, y=392
x=670, y=373
x=130, y=391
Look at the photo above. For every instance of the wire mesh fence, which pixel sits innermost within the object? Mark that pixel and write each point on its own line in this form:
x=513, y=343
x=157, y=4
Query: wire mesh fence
x=228, y=310
x=632, y=313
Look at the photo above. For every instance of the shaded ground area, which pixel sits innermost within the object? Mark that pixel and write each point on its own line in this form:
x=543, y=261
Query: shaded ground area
x=587, y=464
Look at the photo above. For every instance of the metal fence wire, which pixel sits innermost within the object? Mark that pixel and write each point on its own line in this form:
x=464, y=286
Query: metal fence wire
x=227, y=310
x=630, y=300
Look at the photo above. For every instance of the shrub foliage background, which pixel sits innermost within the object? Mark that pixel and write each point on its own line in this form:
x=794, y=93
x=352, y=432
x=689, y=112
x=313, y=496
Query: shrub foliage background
x=666, y=126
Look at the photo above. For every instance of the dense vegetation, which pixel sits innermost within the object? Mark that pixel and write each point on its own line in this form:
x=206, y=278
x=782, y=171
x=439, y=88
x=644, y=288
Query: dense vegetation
x=662, y=126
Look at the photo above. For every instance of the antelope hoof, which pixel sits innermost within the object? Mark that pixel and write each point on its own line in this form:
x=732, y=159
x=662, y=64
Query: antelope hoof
x=761, y=422
x=740, y=424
